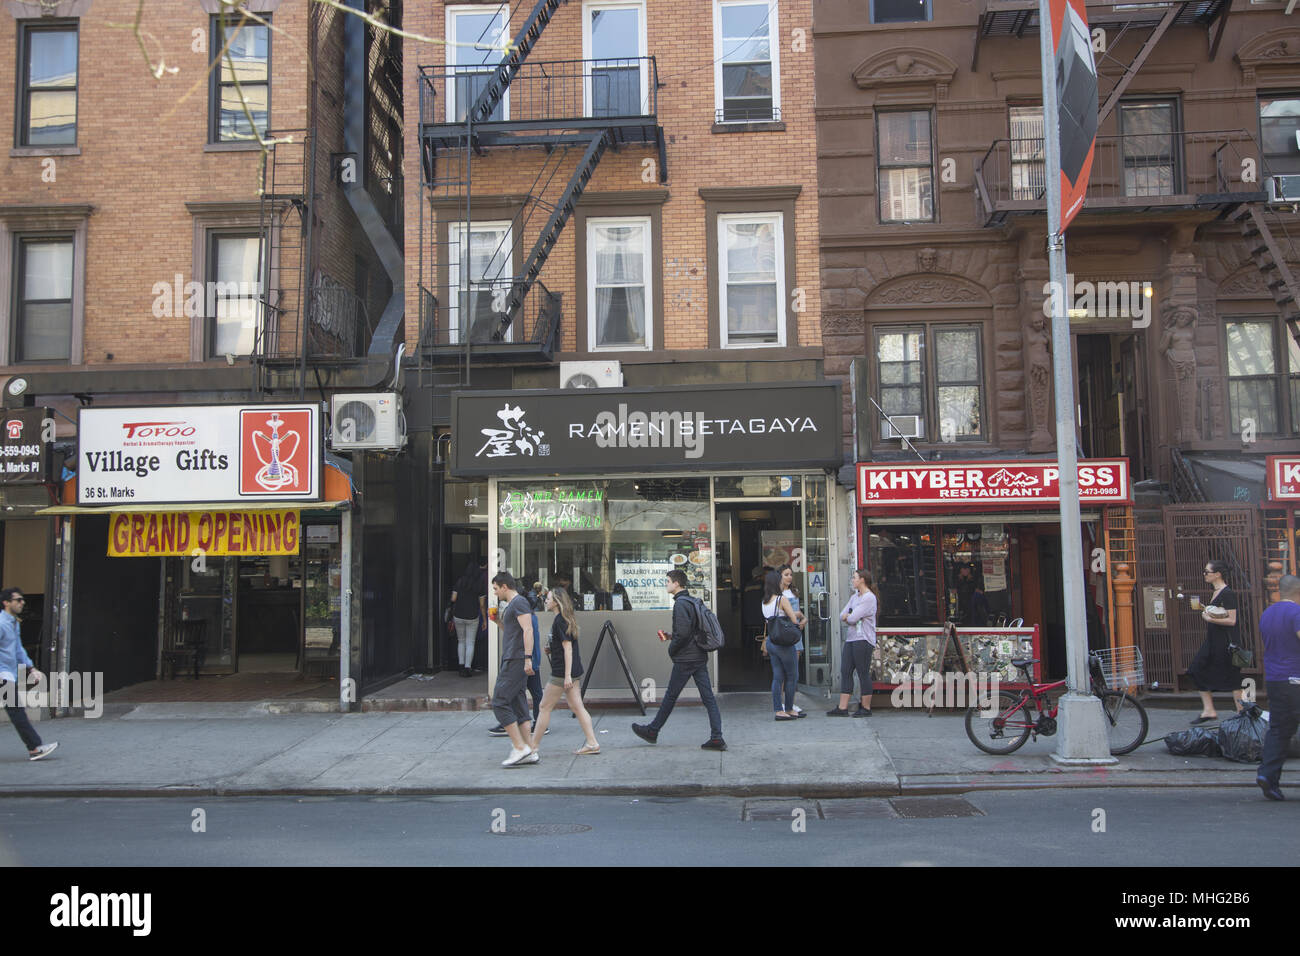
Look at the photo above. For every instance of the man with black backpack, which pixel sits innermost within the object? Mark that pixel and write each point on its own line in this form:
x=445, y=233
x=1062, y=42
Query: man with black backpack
x=691, y=635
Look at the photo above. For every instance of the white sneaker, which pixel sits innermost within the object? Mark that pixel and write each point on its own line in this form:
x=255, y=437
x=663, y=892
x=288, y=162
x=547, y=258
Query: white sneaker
x=516, y=757
x=533, y=757
x=44, y=750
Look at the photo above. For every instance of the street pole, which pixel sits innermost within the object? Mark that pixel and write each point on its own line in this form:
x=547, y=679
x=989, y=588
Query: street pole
x=1083, y=738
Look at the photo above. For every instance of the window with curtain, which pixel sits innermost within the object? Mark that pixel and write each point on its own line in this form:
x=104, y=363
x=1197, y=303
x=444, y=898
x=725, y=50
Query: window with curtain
x=236, y=294
x=935, y=373
x=48, y=85
x=751, y=254
x=43, y=317
x=905, y=166
x=247, y=72
x=1026, y=126
x=615, y=42
x=619, y=283
x=745, y=54
x=480, y=309
x=476, y=37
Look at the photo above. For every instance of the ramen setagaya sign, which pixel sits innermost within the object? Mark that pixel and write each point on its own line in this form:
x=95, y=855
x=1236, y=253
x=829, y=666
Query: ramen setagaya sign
x=213, y=533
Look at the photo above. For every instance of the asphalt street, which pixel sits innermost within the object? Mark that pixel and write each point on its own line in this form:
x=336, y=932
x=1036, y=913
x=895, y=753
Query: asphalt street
x=1175, y=827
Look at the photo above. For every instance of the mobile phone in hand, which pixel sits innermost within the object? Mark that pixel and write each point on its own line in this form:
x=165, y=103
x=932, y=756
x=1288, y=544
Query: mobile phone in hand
x=663, y=635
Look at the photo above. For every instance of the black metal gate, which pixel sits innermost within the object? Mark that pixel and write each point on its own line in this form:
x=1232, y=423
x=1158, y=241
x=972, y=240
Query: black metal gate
x=1174, y=543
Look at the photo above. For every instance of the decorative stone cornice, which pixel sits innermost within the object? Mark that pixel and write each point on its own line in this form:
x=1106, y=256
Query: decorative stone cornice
x=1275, y=54
x=57, y=9
x=906, y=66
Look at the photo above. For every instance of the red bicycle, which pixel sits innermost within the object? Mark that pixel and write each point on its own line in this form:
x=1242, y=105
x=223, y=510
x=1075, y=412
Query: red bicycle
x=1007, y=730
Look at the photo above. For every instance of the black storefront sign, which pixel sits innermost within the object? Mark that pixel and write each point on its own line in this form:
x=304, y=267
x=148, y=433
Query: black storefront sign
x=25, y=458
x=638, y=430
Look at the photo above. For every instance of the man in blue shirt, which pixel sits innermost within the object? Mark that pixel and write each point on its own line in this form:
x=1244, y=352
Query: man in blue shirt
x=1279, y=631
x=12, y=656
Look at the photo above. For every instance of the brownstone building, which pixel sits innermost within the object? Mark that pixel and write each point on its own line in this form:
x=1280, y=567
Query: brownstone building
x=934, y=277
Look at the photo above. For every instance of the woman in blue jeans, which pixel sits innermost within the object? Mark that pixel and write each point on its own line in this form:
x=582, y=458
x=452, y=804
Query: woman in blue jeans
x=785, y=661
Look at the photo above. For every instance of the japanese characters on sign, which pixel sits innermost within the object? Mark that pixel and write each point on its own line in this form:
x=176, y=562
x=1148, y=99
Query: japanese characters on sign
x=1003, y=484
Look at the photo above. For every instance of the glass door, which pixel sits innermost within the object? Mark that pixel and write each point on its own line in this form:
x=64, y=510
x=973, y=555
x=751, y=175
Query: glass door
x=818, y=666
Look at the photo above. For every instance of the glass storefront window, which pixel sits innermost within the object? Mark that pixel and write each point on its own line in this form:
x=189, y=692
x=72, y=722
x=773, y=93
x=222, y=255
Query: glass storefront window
x=610, y=542
x=968, y=567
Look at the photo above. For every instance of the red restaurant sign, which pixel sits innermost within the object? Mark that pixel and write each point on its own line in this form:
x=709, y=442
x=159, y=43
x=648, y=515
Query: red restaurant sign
x=1283, y=478
x=1000, y=484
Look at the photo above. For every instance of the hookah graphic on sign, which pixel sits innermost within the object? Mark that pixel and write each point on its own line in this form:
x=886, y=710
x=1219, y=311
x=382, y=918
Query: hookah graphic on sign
x=275, y=452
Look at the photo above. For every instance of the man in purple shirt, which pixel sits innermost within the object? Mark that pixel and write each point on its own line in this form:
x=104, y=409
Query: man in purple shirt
x=1279, y=631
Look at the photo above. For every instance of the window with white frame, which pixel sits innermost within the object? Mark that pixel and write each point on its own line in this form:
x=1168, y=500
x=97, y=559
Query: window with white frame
x=619, y=294
x=476, y=37
x=477, y=307
x=614, y=46
x=747, y=80
x=751, y=279
x=234, y=268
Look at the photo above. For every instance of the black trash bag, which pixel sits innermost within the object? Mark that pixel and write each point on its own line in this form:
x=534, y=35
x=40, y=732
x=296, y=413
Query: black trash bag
x=1194, y=742
x=1241, y=736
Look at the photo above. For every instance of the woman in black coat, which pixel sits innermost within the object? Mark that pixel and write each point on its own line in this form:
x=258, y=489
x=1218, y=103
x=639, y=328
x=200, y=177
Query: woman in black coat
x=1212, y=668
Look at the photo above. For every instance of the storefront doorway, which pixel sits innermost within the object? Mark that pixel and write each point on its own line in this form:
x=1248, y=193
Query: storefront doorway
x=1112, y=404
x=755, y=533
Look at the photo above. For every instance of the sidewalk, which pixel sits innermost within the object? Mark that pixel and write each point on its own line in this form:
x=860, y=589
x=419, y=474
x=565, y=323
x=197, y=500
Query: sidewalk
x=155, y=749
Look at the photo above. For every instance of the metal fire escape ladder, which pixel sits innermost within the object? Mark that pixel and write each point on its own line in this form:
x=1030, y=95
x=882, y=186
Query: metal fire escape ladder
x=1132, y=68
x=523, y=44
x=284, y=236
x=555, y=224
x=1271, y=260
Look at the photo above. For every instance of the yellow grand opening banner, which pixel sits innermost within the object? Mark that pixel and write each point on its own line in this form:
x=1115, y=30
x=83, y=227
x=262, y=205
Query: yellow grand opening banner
x=215, y=533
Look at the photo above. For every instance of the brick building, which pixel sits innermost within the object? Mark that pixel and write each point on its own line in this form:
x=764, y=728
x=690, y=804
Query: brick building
x=153, y=254
x=934, y=272
x=626, y=200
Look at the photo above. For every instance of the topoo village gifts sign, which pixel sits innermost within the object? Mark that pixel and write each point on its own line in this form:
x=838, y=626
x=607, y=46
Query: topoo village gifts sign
x=604, y=431
x=199, y=454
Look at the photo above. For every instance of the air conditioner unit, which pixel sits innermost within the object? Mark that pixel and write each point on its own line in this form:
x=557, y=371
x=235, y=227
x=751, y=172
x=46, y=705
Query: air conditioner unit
x=591, y=375
x=367, y=421
x=1283, y=190
x=905, y=426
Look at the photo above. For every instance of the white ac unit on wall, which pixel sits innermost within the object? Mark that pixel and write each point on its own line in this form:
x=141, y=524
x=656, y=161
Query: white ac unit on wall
x=367, y=421
x=591, y=375
x=1283, y=190
x=905, y=426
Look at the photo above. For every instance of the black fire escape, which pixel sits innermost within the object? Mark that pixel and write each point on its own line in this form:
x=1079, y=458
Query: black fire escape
x=572, y=112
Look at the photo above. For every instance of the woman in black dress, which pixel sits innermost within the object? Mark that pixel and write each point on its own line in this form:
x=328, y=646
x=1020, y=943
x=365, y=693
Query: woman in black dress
x=1212, y=668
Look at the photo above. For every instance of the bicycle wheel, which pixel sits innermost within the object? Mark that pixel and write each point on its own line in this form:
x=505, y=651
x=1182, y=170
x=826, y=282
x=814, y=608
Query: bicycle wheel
x=1126, y=722
x=1006, y=732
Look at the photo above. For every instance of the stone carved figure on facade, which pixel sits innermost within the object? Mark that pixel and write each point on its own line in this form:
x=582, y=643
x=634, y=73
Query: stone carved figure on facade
x=1178, y=346
x=927, y=260
x=1038, y=360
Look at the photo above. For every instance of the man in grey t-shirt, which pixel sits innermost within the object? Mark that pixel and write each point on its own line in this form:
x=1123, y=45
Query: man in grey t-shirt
x=509, y=703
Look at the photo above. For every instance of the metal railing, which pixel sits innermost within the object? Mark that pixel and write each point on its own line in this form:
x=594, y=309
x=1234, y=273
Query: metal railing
x=747, y=114
x=442, y=328
x=1132, y=170
x=339, y=323
x=541, y=91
